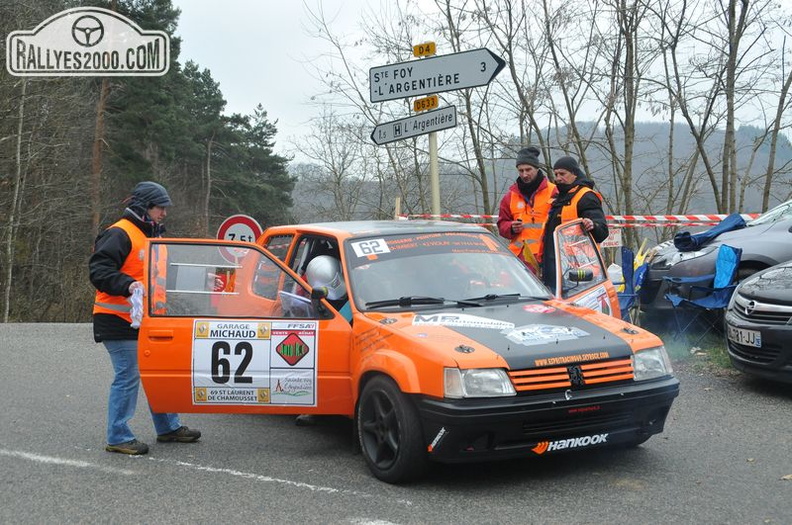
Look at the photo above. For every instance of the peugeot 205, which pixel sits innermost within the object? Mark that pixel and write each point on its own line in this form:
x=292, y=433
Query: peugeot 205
x=451, y=349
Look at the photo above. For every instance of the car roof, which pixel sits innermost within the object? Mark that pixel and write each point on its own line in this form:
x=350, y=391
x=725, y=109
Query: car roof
x=350, y=229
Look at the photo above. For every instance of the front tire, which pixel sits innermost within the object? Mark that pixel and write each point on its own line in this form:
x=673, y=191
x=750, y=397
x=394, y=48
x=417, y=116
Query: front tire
x=389, y=432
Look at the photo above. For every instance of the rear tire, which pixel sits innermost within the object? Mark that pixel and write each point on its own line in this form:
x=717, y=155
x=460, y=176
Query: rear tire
x=389, y=431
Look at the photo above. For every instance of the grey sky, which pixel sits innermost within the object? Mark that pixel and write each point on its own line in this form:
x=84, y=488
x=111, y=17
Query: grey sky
x=256, y=50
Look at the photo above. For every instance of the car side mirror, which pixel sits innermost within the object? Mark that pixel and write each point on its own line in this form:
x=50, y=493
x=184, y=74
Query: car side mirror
x=580, y=275
x=318, y=293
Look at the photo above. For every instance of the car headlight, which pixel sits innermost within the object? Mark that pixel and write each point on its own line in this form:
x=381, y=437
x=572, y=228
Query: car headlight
x=652, y=363
x=477, y=382
x=679, y=257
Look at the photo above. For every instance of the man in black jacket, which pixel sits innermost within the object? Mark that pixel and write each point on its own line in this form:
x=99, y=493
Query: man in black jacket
x=576, y=199
x=116, y=270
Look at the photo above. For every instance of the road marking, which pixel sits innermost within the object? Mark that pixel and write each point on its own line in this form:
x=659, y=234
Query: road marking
x=50, y=460
x=67, y=462
x=270, y=479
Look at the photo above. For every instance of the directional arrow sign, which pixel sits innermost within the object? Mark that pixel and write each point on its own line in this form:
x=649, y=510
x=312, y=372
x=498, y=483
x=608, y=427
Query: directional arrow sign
x=405, y=128
x=433, y=75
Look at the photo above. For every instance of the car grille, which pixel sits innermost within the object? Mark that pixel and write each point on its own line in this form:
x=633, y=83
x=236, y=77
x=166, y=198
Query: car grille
x=766, y=354
x=574, y=376
x=582, y=424
x=761, y=313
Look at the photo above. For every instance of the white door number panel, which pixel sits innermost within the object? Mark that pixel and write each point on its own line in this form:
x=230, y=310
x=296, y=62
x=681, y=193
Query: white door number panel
x=254, y=363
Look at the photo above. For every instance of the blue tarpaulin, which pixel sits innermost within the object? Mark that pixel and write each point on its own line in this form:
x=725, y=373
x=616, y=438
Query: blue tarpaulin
x=688, y=242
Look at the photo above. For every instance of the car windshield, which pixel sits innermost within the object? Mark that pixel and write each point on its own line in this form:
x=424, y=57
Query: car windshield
x=437, y=269
x=780, y=212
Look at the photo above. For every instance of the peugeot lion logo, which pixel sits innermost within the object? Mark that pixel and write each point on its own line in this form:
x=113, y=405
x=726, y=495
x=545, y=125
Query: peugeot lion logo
x=87, y=31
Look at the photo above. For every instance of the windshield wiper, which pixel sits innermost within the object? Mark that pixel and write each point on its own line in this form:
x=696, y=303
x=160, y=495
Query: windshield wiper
x=492, y=297
x=410, y=300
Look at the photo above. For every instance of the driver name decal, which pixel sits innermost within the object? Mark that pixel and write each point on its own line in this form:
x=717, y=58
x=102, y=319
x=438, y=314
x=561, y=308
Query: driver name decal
x=254, y=363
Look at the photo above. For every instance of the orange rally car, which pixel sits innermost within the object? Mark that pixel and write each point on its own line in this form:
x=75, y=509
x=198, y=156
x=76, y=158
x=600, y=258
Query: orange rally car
x=433, y=336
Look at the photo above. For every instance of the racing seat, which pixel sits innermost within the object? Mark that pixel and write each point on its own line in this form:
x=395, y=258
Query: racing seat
x=629, y=303
x=702, y=304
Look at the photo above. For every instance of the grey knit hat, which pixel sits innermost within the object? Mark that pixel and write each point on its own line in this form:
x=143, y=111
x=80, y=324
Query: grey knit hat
x=147, y=194
x=529, y=155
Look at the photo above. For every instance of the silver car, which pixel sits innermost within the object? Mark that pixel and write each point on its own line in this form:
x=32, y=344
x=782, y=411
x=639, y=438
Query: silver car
x=765, y=241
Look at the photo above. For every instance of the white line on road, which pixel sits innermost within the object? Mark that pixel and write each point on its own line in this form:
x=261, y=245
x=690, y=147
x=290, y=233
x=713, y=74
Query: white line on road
x=237, y=473
x=270, y=479
x=67, y=462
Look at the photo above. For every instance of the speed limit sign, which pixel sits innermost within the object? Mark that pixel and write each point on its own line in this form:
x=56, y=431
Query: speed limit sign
x=238, y=228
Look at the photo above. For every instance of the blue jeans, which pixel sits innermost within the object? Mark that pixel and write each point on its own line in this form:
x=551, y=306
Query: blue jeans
x=124, y=394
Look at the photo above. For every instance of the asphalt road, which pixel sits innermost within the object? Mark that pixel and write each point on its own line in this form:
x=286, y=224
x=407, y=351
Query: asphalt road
x=723, y=458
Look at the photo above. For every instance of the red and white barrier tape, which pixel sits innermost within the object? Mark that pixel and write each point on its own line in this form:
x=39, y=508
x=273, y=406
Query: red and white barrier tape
x=617, y=221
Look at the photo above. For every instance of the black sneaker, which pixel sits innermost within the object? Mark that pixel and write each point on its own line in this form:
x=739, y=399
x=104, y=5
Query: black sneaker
x=133, y=448
x=180, y=435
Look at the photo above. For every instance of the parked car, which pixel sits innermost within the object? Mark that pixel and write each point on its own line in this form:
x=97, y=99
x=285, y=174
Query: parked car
x=759, y=324
x=453, y=350
x=765, y=241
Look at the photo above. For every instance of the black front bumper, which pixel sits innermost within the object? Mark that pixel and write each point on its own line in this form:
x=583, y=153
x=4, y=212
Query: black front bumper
x=773, y=360
x=529, y=425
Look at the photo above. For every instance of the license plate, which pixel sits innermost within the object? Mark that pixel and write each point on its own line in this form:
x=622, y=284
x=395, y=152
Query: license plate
x=744, y=337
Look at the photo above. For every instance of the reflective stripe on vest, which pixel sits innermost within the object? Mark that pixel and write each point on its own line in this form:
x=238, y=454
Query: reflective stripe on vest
x=104, y=303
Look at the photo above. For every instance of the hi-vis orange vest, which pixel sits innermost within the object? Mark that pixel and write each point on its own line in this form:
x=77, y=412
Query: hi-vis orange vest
x=569, y=212
x=105, y=303
x=533, y=216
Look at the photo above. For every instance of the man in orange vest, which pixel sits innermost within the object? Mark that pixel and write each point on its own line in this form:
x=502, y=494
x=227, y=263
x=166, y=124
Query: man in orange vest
x=116, y=270
x=576, y=199
x=523, y=210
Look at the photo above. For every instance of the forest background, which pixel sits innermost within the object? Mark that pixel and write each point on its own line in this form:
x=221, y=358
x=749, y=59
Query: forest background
x=672, y=107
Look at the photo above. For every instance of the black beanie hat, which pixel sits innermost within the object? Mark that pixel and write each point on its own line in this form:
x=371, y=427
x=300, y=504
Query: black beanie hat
x=529, y=155
x=569, y=164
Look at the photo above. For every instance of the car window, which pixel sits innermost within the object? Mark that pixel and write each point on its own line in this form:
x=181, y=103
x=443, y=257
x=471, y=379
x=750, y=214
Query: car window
x=780, y=212
x=577, y=253
x=212, y=280
x=448, y=265
x=310, y=246
x=278, y=245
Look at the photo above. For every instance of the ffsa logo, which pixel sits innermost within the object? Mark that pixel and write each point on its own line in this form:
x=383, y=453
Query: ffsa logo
x=88, y=41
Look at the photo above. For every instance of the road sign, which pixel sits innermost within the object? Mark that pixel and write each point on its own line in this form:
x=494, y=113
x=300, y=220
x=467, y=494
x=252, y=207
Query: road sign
x=425, y=104
x=237, y=228
x=425, y=50
x=405, y=128
x=433, y=75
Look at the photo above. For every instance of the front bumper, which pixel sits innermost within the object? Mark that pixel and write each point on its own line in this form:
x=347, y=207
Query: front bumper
x=530, y=425
x=773, y=360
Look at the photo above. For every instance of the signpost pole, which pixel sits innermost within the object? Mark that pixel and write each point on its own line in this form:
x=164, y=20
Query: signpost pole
x=434, y=173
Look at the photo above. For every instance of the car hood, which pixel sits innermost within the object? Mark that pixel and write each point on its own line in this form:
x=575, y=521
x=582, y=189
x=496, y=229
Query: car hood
x=773, y=285
x=666, y=250
x=524, y=335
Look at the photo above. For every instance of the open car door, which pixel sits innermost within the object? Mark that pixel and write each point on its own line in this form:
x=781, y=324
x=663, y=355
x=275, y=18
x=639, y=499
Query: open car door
x=228, y=328
x=581, y=276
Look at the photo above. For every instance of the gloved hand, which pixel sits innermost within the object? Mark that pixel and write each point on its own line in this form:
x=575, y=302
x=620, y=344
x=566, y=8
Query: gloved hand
x=136, y=300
